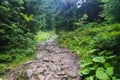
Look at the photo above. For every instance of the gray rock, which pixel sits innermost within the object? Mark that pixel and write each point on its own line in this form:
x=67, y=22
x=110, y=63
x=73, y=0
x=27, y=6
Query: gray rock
x=39, y=70
x=56, y=76
x=71, y=74
x=48, y=77
x=41, y=77
x=62, y=73
x=58, y=68
x=39, y=56
x=53, y=67
x=34, y=67
x=29, y=73
x=46, y=59
x=32, y=78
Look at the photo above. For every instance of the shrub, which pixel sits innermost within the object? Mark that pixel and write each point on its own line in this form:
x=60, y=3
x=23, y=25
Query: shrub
x=98, y=47
x=16, y=37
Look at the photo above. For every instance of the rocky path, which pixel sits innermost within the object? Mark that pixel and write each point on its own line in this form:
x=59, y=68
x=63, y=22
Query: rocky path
x=52, y=63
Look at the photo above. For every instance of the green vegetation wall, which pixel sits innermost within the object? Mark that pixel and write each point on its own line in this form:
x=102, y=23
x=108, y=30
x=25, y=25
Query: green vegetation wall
x=96, y=40
x=17, y=29
x=111, y=10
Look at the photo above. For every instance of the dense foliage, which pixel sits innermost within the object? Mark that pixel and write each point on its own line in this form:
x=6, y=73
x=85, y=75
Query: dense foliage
x=16, y=32
x=96, y=43
x=98, y=46
x=90, y=28
x=111, y=10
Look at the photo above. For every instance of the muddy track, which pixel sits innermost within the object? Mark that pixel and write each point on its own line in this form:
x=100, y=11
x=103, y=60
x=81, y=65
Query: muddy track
x=53, y=63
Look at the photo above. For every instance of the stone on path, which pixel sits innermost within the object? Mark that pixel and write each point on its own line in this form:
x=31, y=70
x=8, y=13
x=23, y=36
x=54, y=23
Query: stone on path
x=52, y=63
x=48, y=77
x=71, y=74
x=29, y=73
x=53, y=67
x=62, y=73
x=39, y=70
x=41, y=77
x=46, y=59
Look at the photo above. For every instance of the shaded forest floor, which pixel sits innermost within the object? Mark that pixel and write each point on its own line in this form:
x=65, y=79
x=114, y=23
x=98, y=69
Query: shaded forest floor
x=52, y=63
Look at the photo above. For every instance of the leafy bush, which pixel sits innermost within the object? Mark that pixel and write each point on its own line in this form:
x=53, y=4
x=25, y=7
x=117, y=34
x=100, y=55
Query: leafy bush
x=98, y=47
x=16, y=34
x=111, y=10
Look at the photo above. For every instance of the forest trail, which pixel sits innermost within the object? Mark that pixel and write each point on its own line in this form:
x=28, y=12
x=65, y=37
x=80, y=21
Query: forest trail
x=53, y=63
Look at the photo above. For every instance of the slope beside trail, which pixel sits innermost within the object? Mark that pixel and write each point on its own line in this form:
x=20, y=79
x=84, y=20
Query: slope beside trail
x=53, y=63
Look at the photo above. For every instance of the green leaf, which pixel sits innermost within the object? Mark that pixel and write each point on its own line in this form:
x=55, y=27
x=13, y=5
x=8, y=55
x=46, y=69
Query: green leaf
x=86, y=62
x=101, y=53
x=100, y=74
x=109, y=71
x=89, y=78
x=2, y=31
x=111, y=57
x=114, y=78
x=99, y=59
x=85, y=71
x=91, y=51
x=79, y=71
x=106, y=65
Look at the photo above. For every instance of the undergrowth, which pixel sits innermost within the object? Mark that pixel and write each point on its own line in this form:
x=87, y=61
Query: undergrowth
x=43, y=36
x=17, y=56
x=99, y=48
